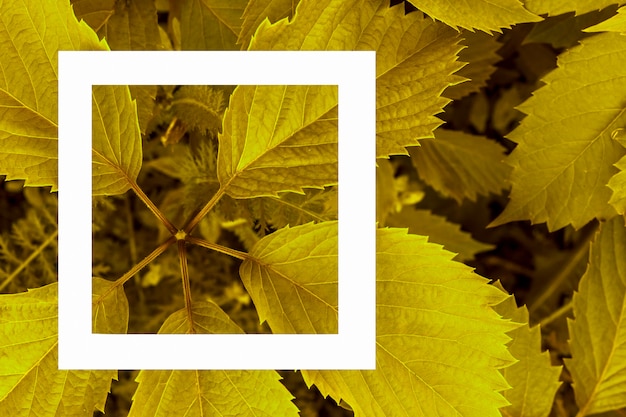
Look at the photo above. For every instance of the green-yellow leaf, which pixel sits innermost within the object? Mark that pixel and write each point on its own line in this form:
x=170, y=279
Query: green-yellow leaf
x=117, y=151
x=618, y=182
x=481, y=55
x=200, y=107
x=209, y=393
x=259, y=10
x=438, y=230
x=278, y=138
x=565, y=154
x=564, y=31
x=598, y=332
x=128, y=26
x=555, y=7
x=292, y=277
x=30, y=382
x=439, y=344
x=415, y=59
x=210, y=24
x=460, y=165
x=31, y=34
x=485, y=15
x=616, y=23
x=533, y=380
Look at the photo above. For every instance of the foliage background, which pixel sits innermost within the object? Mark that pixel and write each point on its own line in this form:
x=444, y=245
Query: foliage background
x=540, y=265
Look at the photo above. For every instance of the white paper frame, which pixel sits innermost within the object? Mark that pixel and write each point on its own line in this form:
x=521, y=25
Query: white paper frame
x=354, y=346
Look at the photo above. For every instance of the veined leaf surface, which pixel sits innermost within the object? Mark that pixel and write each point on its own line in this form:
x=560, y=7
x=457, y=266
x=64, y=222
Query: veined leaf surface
x=486, y=15
x=565, y=155
x=30, y=381
x=438, y=230
x=421, y=293
x=117, y=152
x=410, y=74
x=292, y=277
x=555, y=7
x=616, y=23
x=210, y=24
x=209, y=393
x=460, y=165
x=598, y=332
x=533, y=380
x=259, y=10
x=29, y=94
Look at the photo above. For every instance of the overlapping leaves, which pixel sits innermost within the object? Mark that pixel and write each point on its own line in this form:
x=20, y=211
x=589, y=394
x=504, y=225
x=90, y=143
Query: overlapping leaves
x=29, y=94
x=30, y=381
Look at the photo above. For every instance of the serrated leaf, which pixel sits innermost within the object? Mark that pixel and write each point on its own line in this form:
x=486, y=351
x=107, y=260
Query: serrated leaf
x=29, y=94
x=481, y=55
x=565, y=154
x=30, y=382
x=128, y=26
x=278, y=138
x=298, y=263
x=565, y=30
x=616, y=23
x=117, y=151
x=411, y=76
x=210, y=24
x=556, y=7
x=460, y=165
x=209, y=393
x=438, y=230
x=533, y=380
x=201, y=107
x=259, y=10
x=598, y=332
x=439, y=345
x=485, y=15
x=618, y=181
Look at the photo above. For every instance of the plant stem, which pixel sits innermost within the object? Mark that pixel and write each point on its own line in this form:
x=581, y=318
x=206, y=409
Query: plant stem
x=557, y=314
x=205, y=210
x=138, y=267
x=28, y=260
x=218, y=248
x=132, y=243
x=153, y=208
x=184, y=272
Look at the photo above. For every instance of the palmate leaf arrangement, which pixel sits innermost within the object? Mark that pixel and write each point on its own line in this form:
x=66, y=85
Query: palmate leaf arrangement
x=251, y=171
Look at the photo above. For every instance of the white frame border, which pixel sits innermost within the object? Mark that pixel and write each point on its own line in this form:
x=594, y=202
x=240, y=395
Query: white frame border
x=354, y=346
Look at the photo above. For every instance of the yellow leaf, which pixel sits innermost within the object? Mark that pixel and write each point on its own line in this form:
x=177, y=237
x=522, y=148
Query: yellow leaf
x=533, y=380
x=460, y=165
x=555, y=7
x=259, y=10
x=439, y=344
x=486, y=15
x=209, y=393
x=30, y=381
x=598, y=331
x=210, y=24
x=298, y=263
x=616, y=23
x=565, y=154
x=29, y=96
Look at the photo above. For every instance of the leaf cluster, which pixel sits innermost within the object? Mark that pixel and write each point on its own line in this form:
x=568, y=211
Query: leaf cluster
x=215, y=208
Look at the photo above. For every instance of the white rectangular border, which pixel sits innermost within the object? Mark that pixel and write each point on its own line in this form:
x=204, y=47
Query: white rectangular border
x=354, y=347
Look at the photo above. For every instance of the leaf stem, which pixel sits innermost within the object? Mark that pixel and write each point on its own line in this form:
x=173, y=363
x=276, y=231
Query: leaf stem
x=30, y=258
x=205, y=210
x=138, y=267
x=218, y=248
x=153, y=208
x=184, y=272
x=557, y=314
